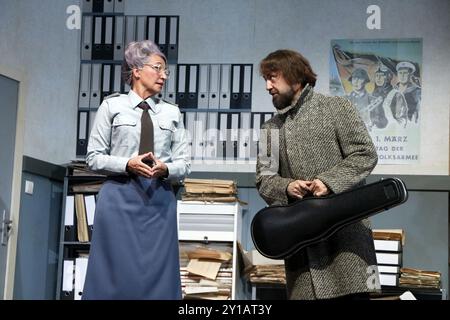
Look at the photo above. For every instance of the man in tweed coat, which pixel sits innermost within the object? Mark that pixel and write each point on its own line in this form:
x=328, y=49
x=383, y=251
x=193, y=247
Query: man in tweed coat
x=316, y=145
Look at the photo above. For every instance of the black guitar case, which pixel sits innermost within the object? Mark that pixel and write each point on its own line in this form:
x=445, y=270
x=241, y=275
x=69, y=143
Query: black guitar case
x=280, y=231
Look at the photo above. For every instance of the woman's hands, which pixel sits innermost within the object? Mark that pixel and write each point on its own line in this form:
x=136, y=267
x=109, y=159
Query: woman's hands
x=147, y=165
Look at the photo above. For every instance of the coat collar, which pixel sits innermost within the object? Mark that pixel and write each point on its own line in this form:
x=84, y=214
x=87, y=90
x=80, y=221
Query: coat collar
x=305, y=96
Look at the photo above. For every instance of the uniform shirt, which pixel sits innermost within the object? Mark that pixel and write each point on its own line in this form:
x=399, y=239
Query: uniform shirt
x=115, y=135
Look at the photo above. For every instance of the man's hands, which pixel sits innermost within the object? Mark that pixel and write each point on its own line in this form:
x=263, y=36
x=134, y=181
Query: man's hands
x=138, y=166
x=300, y=188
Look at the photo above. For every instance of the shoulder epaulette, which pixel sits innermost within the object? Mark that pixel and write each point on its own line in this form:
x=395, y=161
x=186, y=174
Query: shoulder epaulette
x=115, y=94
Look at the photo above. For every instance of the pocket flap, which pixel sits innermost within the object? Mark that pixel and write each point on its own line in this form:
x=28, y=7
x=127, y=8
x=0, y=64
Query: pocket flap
x=166, y=125
x=123, y=121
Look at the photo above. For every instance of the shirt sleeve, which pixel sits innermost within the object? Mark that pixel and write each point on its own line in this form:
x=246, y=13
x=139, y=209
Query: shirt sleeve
x=98, y=155
x=179, y=165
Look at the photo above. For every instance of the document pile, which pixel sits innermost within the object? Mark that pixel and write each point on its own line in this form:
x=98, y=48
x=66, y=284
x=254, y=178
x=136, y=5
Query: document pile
x=80, y=168
x=420, y=278
x=213, y=190
x=259, y=269
x=206, y=273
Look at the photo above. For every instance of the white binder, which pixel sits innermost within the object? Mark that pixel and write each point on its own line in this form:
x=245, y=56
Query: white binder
x=151, y=28
x=200, y=139
x=85, y=85
x=181, y=84
x=212, y=136
x=83, y=125
x=232, y=143
x=130, y=29
x=255, y=131
x=90, y=210
x=225, y=74
x=203, y=82
x=86, y=6
x=68, y=276
x=98, y=29
x=119, y=6
x=80, y=275
x=190, y=128
x=108, y=6
x=95, y=85
x=170, y=93
x=162, y=34
x=106, y=81
x=247, y=87
x=86, y=38
x=117, y=78
x=172, y=54
x=92, y=114
x=140, y=28
x=223, y=135
x=69, y=218
x=118, y=38
x=193, y=86
x=236, y=93
x=214, y=86
x=109, y=23
x=244, y=136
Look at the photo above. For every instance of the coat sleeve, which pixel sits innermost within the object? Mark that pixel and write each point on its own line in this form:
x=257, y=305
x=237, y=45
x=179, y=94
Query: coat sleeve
x=358, y=151
x=271, y=186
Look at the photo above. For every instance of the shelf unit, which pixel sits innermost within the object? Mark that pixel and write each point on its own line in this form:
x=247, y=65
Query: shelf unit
x=213, y=226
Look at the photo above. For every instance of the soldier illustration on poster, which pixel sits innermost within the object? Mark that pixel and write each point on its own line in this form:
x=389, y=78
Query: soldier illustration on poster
x=382, y=78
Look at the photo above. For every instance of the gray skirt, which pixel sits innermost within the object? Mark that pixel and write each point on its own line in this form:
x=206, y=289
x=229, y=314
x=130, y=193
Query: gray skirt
x=134, y=249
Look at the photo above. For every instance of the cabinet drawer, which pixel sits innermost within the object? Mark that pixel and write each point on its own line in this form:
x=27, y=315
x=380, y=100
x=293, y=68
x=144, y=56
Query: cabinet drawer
x=199, y=207
x=205, y=222
x=205, y=235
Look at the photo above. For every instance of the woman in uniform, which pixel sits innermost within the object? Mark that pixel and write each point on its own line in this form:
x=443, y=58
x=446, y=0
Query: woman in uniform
x=139, y=142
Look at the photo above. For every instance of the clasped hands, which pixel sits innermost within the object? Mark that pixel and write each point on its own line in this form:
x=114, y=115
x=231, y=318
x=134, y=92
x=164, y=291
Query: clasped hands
x=300, y=188
x=147, y=165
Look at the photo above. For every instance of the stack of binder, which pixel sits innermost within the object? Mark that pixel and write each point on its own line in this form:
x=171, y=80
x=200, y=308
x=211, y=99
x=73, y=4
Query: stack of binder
x=79, y=217
x=74, y=274
x=389, y=251
x=225, y=135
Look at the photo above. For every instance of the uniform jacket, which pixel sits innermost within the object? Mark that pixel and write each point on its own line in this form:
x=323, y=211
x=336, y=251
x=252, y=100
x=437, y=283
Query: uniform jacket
x=321, y=137
x=115, y=135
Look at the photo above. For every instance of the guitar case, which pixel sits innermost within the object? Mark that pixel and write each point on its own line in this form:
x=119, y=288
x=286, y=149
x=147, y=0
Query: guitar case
x=280, y=231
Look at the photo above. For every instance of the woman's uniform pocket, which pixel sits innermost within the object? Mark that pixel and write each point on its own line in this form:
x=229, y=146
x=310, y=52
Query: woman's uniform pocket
x=122, y=130
x=164, y=133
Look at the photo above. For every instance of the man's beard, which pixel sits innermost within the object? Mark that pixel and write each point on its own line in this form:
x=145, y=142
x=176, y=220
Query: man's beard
x=283, y=100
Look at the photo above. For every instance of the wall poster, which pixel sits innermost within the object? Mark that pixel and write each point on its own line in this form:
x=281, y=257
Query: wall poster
x=382, y=78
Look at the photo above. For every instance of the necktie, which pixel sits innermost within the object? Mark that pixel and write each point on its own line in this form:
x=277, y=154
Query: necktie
x=146, y=144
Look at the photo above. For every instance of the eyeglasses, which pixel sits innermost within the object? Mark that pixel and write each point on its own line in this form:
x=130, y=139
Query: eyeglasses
x=158, y=68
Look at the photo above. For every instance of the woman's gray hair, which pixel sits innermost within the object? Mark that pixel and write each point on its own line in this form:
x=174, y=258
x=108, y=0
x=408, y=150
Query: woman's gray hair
x=136, y=55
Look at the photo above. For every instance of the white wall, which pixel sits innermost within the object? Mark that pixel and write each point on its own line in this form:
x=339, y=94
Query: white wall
x=35, y=43
x=34, y=39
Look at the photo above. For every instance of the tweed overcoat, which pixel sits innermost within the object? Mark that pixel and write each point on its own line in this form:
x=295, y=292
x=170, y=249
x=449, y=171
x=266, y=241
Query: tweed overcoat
x=321, y=137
